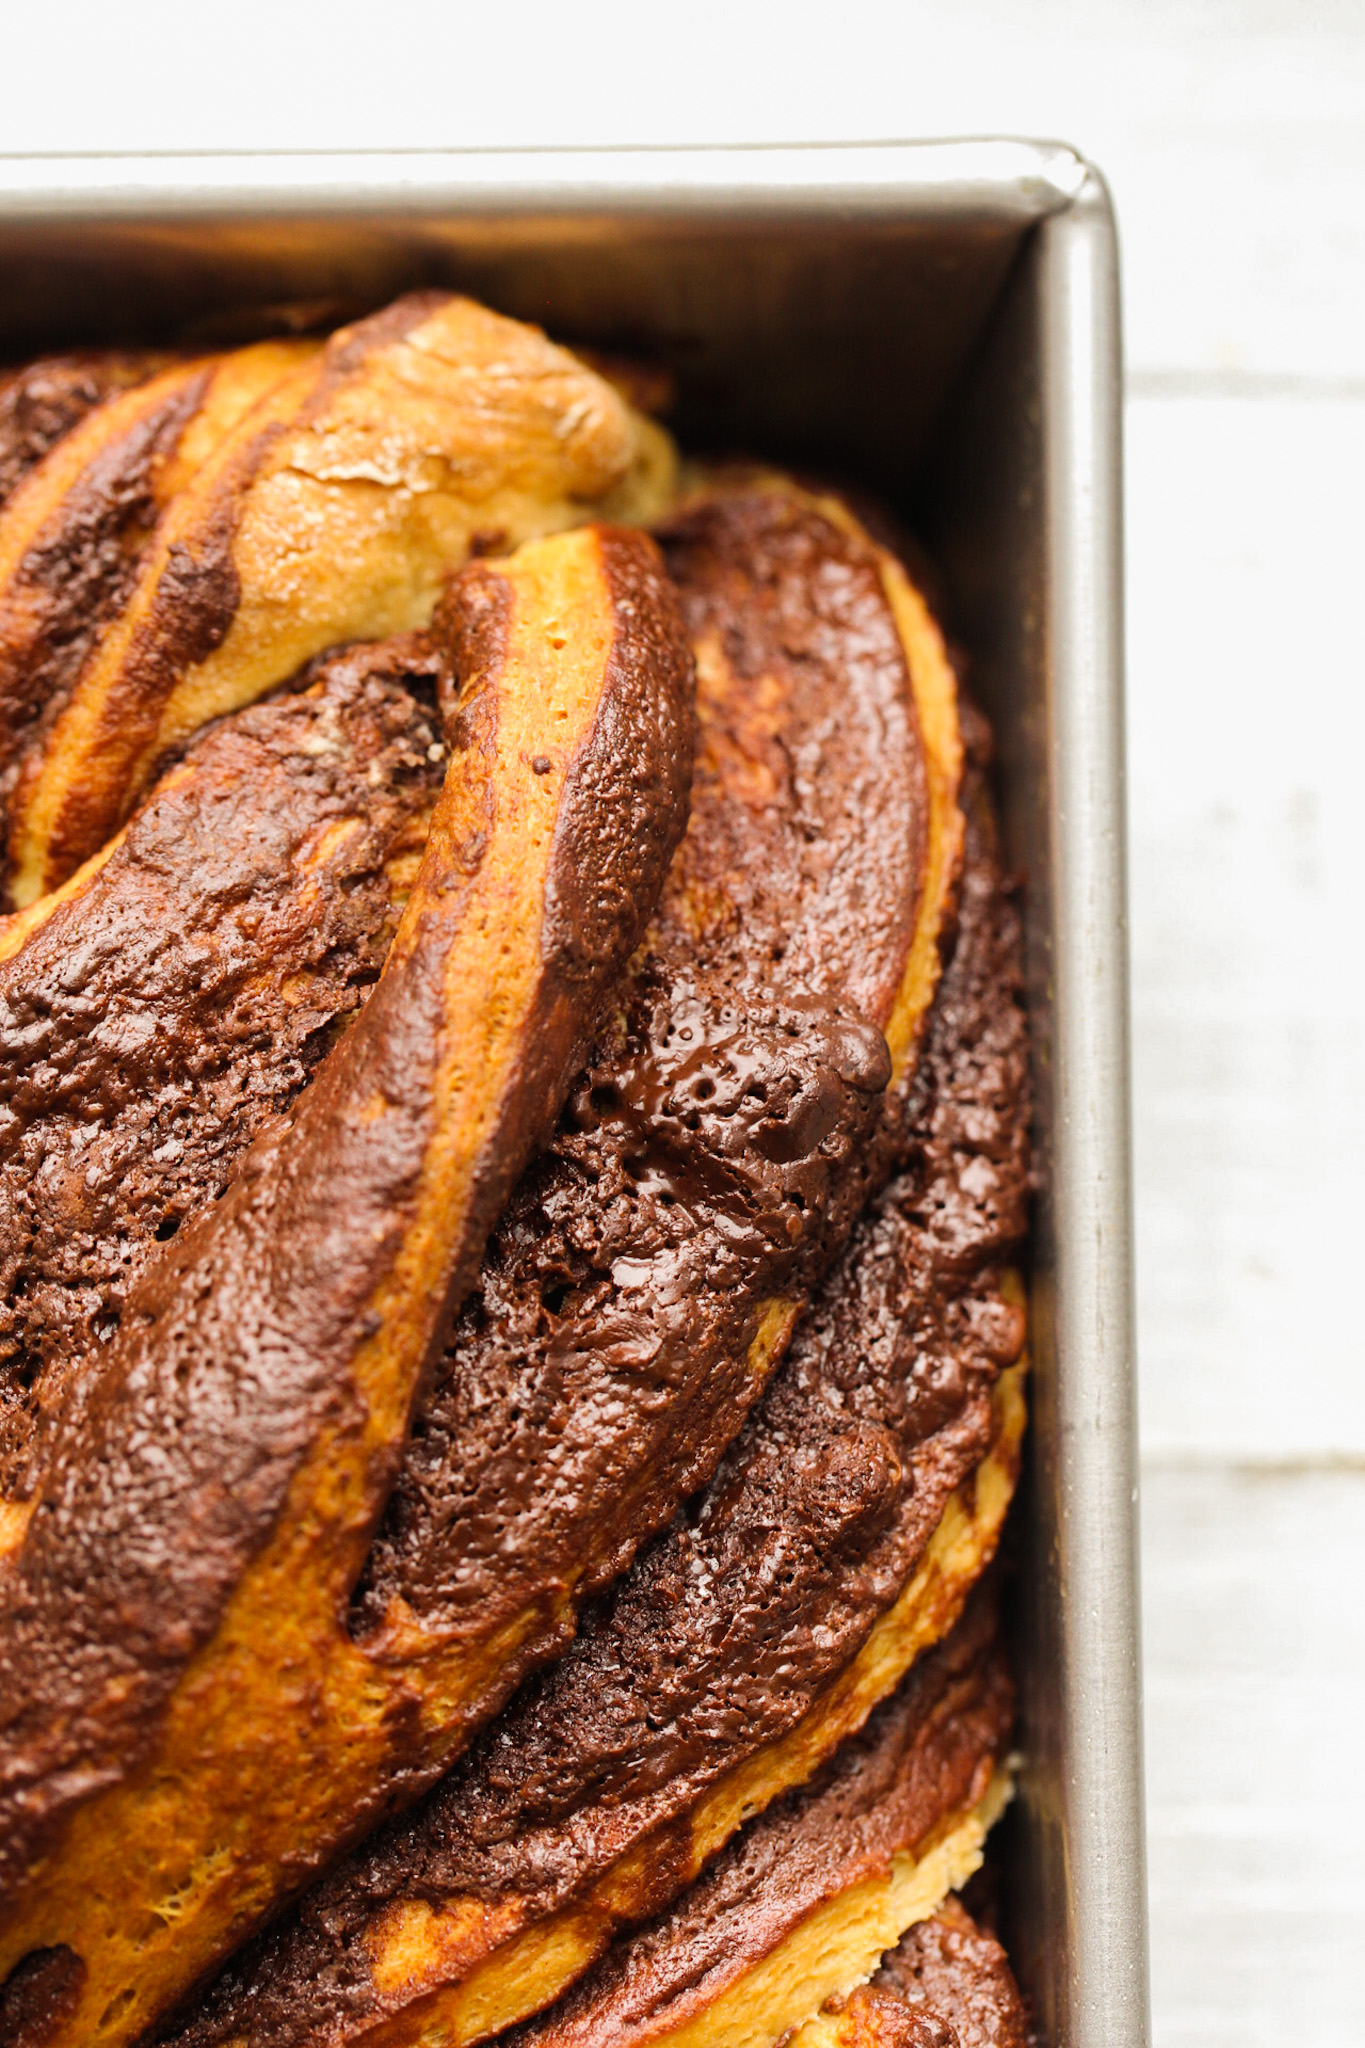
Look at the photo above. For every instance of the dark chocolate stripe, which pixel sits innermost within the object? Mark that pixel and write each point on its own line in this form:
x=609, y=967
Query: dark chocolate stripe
x=723, y=1634
x=80, y=567
x=950, y=1974
x=153, y=1023
x=41, y=403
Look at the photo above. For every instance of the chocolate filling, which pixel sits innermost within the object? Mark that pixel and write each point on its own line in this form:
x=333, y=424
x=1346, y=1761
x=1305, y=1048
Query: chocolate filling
x=950, y=1979
x=715, y=1152
x=43, y=401
x=924, y=1758
x=155, y=1022
x=725, y=1631
x=196, y=597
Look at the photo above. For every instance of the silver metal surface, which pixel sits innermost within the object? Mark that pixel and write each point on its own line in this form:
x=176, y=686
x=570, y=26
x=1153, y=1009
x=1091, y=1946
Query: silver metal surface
x=1027, y=519
x=939, y=321
x=997, y=178
x=856, y=277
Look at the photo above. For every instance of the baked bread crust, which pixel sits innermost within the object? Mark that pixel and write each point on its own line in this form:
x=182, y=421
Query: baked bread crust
x=188, y=1721
x=160, y=1009
x=332, y=511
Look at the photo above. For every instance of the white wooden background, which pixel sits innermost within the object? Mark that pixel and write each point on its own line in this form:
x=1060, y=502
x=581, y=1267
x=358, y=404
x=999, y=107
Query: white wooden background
x=1233, y=133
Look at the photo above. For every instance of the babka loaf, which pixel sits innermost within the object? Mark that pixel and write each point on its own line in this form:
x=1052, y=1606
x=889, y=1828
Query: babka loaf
x=393, y=995
x=728, y=1322
x=828, y=1552
x=329, y=508
x=187, y=1718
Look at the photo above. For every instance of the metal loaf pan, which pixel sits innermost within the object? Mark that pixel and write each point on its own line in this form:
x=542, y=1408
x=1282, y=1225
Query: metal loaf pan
x=939, y=322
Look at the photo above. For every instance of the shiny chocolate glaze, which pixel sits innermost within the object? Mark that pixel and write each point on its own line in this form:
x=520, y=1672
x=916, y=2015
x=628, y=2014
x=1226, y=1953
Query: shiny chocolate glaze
x=156, y=1020
x=715, y=1152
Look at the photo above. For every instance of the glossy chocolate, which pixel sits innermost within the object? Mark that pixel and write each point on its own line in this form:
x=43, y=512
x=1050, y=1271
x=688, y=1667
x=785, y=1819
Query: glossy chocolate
x=155, y=1020
x=951, y=1978
x=724, y=1633
x=713, y=1156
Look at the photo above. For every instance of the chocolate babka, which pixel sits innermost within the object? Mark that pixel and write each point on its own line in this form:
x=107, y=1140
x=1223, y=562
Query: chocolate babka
x=186, y=1710
x=325, y=500
x=510, y=1367
x=838, y=1540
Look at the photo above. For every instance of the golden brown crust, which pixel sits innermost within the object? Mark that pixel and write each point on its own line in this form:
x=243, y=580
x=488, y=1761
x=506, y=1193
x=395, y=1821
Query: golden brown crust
x=188, y=1723
x=947, y=1985
x=73, y=535
x=189, y=1669
x=332, y=512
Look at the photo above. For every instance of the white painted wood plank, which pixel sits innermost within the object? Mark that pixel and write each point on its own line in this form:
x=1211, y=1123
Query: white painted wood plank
x=1247, y=733
x=1233, y=131
x=1255, y=1689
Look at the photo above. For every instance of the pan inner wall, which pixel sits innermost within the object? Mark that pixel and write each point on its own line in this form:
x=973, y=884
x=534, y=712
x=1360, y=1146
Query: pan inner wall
x=828, y=345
